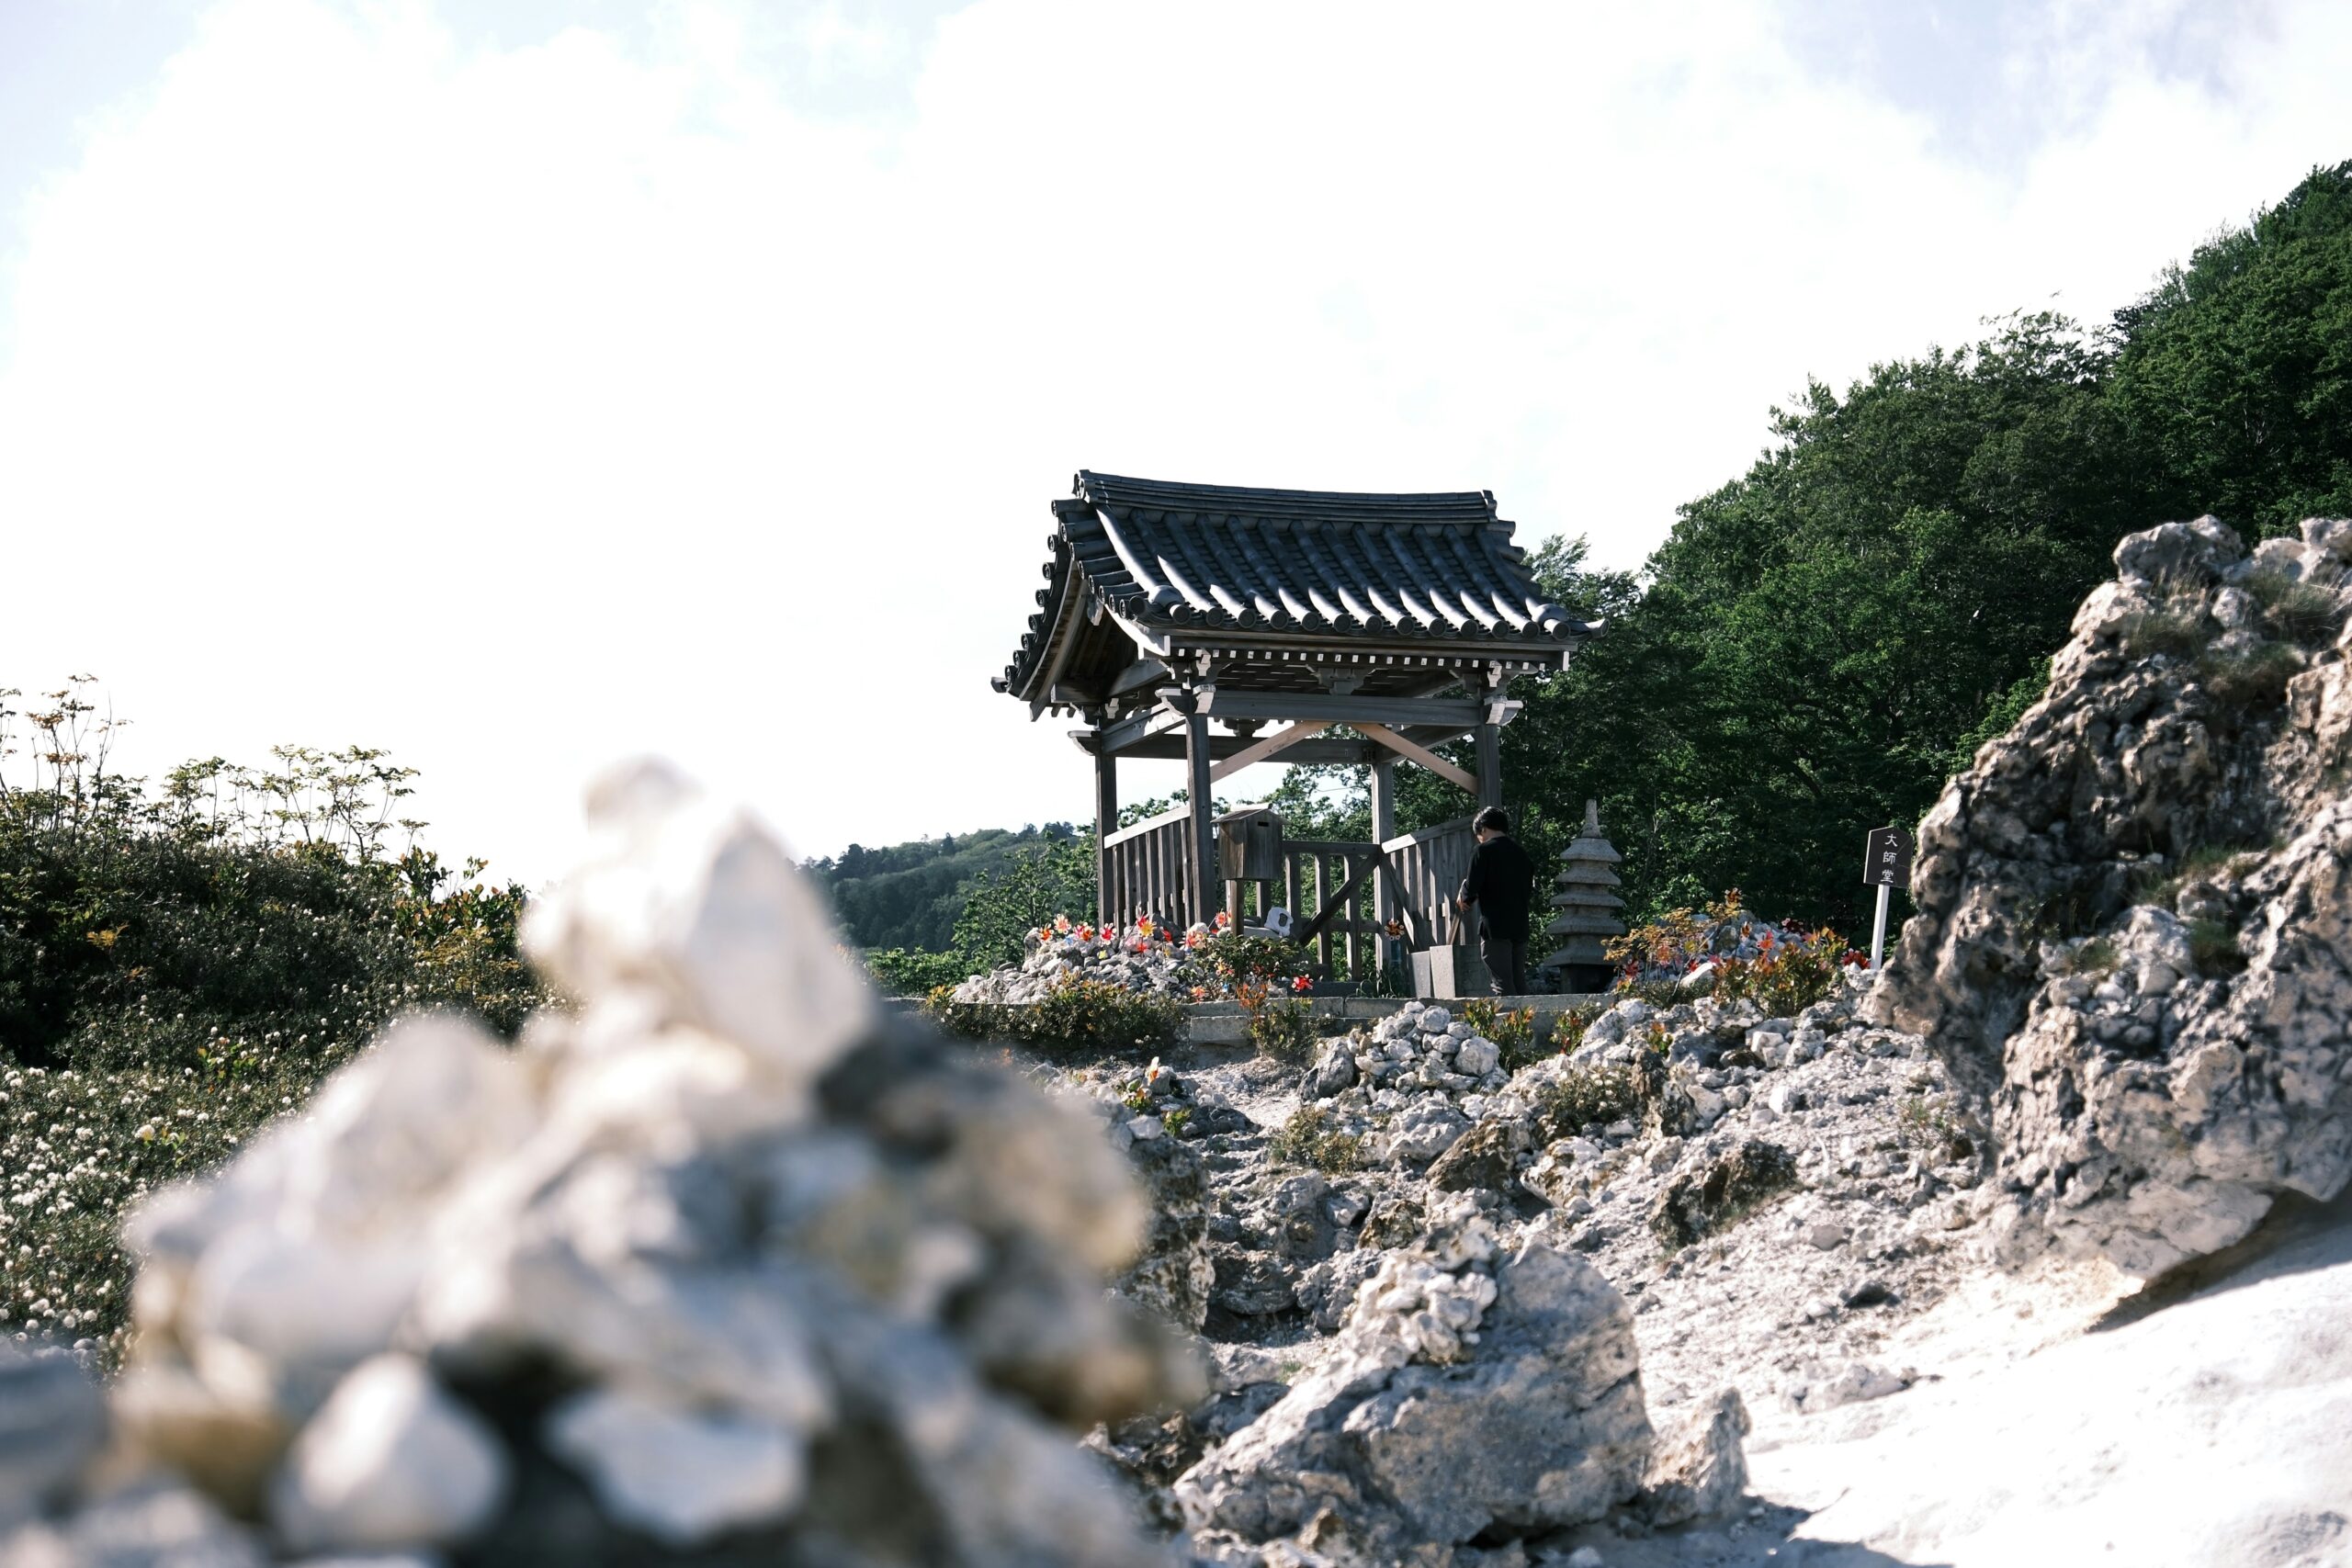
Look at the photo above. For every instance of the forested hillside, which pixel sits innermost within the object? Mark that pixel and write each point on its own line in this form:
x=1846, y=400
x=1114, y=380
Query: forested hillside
x=910, y=895
x=1823, y=641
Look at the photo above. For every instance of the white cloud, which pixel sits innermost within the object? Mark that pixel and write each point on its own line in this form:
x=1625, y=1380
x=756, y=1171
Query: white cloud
x=515, y=407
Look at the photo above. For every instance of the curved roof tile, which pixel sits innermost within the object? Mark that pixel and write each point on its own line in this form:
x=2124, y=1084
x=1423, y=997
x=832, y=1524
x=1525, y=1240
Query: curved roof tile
x=1320, y=565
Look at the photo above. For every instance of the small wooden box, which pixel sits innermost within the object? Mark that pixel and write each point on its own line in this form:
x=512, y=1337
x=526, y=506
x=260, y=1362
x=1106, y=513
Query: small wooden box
x=1454, y=971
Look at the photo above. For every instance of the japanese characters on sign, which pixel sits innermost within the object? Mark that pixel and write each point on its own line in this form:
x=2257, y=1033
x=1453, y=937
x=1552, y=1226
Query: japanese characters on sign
x=1886, y=860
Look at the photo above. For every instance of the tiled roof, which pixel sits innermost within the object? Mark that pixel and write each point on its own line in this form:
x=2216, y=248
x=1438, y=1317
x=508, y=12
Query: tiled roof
x=1184, y=562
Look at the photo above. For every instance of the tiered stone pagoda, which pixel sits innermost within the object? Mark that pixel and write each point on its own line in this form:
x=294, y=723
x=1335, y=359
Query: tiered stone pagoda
x=1590, y=907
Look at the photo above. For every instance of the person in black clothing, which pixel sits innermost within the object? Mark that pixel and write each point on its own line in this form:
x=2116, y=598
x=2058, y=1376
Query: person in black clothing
x=1502, y=883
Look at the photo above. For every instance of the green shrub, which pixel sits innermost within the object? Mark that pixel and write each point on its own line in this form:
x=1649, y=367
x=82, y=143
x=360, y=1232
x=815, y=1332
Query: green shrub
x=1514, y=1033
x=179, y=965
x=1932, y=1122
x=1233, y=960
x=1076, y=1016
x=1787, y=978
x=2213, y=948
x=2153, y=632
x=910, y=972
x=2093, y=958
x=1589, y=1097
x=1567, y=1030
x=1310, y=1138
x=2297, y=611
x=1284, y=1029
x=2255, y=678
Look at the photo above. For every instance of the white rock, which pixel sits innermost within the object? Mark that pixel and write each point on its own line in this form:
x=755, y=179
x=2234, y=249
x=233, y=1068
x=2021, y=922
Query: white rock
x=695, y=901
x=1143, y=1127
x=1825, y=1234
x=681, y=1478
x=313, y=1306
x=1477, y=1057
x=389, y=1461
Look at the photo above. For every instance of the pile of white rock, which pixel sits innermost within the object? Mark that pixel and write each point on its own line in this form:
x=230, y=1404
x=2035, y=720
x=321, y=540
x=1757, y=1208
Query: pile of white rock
x=724, y=1267
x=1420, y=1046
x=1134, y=959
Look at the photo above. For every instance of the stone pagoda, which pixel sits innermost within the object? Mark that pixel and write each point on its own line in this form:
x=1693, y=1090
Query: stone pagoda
x=1586, y=896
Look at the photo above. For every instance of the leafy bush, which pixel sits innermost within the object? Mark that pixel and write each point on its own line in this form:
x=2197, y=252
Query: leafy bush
x=2300, y=612
x=1514, y=1032
x=1788, y=975
x=2154, y=632
x=177, y=967
x=235, y=908
x=2095, y=957
x=2254, y=678
x=2213, y=948
x=909, y=972
x=1589, y=1097
x=1310, y=1138
x=1567, y=1030
x=1231, y=959
x=1076, y=1016
x=1282, y=1028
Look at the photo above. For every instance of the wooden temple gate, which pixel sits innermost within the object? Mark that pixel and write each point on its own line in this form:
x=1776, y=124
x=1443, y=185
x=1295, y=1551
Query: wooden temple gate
x=1373, y=629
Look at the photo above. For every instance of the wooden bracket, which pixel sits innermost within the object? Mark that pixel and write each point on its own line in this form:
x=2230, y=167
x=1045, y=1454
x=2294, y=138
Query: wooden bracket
x=1386, y=737
x=1259, y=751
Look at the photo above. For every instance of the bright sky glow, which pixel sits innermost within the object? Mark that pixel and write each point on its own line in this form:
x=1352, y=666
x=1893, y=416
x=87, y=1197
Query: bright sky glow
x=515, y=386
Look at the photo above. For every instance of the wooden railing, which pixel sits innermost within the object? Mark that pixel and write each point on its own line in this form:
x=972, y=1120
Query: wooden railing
x=1144, y=871
x=1427, y=869
x=1321, y=875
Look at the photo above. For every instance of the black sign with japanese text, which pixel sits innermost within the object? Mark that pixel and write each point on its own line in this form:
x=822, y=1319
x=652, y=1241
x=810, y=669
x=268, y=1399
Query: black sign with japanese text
x=1886, y=860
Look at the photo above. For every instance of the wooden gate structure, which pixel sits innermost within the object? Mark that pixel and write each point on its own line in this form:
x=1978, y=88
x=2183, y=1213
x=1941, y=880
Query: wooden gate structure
x=1371, y=628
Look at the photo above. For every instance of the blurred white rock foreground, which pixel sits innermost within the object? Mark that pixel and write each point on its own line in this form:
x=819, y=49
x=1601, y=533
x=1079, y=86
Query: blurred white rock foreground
x=684, y=1275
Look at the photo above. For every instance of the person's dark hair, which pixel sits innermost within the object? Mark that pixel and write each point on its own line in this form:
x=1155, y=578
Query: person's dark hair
x=1490, y=820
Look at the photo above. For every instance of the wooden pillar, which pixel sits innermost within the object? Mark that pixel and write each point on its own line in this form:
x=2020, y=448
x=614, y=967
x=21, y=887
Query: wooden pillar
x=1106, y=822
x=1200, y=844
x=1490, y=764
x=1384, y=828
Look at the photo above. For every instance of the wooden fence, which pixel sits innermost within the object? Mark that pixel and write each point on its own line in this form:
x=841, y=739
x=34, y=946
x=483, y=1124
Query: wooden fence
x=1144, y=872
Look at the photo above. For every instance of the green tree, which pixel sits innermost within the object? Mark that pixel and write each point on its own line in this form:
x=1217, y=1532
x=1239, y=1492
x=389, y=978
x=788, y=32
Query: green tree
x=2234, y=374
x=1008, y=902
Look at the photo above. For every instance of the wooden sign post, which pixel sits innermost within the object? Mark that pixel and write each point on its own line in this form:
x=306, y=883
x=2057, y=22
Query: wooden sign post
x=1886, y=864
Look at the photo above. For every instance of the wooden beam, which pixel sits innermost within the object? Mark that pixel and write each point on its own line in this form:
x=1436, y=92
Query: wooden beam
x=1426, y=759
x=1170, y=748
x=1119, y=739
x=1143, y=672
x=1259, y=751
x=1384, y=828
x=1460, y=712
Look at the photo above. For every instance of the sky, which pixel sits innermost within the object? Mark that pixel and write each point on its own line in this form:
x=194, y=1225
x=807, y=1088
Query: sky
x=518, y=385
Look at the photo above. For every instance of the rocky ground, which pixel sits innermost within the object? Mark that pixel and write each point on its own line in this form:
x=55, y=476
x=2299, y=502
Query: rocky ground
x=1777, y=1199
